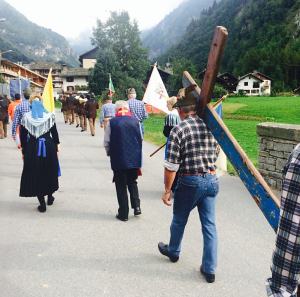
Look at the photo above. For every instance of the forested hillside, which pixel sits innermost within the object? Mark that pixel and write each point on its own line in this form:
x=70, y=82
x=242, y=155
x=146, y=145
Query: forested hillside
x=170, y=30
x=263, y=36
x=29, y=41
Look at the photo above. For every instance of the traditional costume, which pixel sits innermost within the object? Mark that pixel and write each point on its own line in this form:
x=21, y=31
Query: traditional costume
x=39, y=141
x=123, y=143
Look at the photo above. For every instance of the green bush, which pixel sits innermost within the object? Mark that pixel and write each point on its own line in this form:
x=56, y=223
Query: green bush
x=219, y=91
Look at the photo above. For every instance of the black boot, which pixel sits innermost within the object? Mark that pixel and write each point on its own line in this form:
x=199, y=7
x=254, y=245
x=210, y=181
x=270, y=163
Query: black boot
x=50, y=199
x=42, y=206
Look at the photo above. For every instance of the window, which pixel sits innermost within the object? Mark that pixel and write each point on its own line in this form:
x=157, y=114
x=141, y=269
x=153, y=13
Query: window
x=256, y=85
x=70, y=78
x=245, y=83
x=70, y=89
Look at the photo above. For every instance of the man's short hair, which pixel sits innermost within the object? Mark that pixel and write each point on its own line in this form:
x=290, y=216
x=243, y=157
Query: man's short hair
x=27, y=93
x=121, y=104
x=17, y=96
x=187, y=108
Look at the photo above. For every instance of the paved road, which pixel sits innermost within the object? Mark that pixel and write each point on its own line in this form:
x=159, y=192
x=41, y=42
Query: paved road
x=78, y=249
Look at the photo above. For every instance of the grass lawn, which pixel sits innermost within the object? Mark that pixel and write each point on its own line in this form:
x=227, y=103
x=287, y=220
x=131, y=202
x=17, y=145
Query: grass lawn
x=241, y=115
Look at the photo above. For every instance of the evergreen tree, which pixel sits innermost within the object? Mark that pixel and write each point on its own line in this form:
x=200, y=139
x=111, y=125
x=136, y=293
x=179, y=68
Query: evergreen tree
x=120, y=54
x=263, y=36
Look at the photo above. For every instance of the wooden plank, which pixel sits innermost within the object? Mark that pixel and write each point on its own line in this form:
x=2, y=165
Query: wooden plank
x=252, y=179
x=250, y=176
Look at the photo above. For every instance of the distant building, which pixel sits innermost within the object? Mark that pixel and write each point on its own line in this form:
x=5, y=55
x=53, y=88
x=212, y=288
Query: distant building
x=10, y=70
x=227, y=80
x=254, y=84
x=43, y=68
x=89, y=59
x=74, y=78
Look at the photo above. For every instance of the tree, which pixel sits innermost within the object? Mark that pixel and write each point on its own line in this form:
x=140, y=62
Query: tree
x=179, y=65
x=120, y=54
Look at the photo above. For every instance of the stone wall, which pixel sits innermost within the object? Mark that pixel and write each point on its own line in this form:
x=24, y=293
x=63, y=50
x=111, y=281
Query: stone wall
x=276, y=141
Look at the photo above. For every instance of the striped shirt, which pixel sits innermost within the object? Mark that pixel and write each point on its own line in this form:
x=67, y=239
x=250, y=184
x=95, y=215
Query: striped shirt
x=137, y=108
x=20, y=110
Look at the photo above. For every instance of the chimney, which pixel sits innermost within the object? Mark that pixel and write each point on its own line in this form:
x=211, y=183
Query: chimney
x=64, y=67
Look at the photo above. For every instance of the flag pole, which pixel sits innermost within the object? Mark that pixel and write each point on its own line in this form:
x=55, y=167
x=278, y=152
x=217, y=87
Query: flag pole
x=20, y=88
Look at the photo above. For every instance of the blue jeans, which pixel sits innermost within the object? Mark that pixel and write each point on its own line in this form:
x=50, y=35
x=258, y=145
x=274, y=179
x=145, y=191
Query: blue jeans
x=197, y=191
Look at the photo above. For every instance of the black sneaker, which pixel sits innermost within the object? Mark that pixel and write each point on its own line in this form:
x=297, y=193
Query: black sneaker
x=120, y=218
x=163, y=249
x=210, y=277
x=137, y=211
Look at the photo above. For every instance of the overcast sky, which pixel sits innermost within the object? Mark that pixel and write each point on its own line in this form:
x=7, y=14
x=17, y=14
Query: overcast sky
x=70, y=18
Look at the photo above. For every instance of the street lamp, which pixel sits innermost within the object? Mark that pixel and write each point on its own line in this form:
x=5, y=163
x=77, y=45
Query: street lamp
x=5, y=52
x=1, y=53
x=8, y=51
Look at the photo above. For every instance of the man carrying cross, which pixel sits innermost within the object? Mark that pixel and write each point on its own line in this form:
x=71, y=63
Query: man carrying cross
x=192, y=152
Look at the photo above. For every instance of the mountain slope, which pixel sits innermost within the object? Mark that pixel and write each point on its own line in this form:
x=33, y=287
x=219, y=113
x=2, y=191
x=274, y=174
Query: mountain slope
x=82, y=43
x=263, y=36
x=30, y=41
x=170, y=30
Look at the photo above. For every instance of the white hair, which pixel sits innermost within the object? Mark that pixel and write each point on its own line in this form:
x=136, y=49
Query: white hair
x=121, y=104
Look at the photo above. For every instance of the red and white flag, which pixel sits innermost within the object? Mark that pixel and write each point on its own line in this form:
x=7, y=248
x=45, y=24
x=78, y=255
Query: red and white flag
x=156, y=93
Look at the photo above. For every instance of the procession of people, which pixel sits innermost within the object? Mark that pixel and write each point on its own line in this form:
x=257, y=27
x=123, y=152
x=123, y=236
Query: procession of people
x=190, y=178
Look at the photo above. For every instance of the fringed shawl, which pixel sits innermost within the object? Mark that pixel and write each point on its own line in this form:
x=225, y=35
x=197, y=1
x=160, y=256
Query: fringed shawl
x=172, y=119
x=40, y=126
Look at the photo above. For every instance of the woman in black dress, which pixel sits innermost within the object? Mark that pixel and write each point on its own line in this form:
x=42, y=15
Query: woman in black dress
x=39, y=141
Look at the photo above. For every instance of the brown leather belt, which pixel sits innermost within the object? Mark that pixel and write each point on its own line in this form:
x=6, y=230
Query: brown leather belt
x=213, y=172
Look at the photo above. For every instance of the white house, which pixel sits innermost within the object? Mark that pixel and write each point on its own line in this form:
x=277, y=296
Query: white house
x=254, y=84
x=74, y=77
x=89, y=59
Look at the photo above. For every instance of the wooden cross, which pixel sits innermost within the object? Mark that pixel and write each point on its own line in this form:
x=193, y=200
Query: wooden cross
x=261, y=193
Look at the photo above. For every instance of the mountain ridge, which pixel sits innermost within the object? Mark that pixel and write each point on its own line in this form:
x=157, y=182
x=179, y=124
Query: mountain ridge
x=172, y=27
x=31, y=42
x=263, y=36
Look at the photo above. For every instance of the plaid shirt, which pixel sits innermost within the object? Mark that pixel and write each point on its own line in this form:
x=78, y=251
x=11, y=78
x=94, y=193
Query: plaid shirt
x=108, y=111
x=286, y=258
x=20, y=110
x=137, y=108
x=192, y=147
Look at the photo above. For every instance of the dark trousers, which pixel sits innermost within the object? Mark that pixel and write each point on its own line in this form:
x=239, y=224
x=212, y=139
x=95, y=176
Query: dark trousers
x=126, y=179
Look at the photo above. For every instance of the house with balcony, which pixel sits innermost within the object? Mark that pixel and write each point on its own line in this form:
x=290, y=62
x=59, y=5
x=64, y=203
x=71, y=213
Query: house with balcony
x=74, y=79
x=254, y=84
x=10, y=70
x=43, y=68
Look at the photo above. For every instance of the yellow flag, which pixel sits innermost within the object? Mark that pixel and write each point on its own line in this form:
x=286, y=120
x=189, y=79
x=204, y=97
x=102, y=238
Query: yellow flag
x=48, y=98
